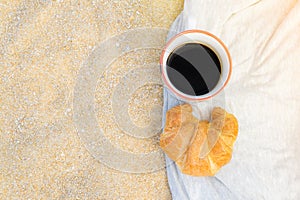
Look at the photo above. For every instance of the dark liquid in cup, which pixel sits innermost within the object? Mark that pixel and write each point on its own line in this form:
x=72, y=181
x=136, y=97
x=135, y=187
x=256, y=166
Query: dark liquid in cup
x=194, y=69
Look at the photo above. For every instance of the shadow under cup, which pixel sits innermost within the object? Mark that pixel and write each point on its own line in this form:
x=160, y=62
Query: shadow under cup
x=195, y=65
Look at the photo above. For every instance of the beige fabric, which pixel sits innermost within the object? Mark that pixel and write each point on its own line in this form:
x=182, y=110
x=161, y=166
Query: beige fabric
x=263, y=38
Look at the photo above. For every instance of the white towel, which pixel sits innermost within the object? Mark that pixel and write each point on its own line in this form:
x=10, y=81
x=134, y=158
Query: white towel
x=263, y=38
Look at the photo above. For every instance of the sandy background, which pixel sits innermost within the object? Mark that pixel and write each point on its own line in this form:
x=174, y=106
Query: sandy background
x=43, y=46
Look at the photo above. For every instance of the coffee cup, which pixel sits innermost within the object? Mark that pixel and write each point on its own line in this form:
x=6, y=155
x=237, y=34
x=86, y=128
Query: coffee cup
x=195, y=65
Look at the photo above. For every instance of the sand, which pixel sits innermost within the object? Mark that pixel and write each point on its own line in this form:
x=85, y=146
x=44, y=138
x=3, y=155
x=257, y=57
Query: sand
x=43, y=47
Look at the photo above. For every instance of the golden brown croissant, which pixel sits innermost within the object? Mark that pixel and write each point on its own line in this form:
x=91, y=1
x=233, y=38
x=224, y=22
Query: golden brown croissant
x=199, y=148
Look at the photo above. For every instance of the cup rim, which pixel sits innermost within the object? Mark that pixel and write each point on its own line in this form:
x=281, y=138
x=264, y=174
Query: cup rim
x=172, y=88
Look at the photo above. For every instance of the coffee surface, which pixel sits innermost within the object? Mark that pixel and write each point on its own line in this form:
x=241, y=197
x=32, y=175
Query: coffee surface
x=194, y=69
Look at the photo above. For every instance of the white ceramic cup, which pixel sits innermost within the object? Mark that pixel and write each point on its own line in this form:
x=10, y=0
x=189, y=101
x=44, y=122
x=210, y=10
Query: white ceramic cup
x=207, y=39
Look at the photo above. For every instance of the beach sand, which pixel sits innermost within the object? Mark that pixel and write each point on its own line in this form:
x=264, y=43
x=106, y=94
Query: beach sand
x=43, y=47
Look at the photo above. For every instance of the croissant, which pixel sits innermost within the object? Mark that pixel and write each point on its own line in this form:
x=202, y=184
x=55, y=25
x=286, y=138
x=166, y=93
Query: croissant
x=199, y=148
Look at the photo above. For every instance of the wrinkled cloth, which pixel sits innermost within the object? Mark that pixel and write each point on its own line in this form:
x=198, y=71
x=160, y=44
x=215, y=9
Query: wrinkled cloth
x=263, y=38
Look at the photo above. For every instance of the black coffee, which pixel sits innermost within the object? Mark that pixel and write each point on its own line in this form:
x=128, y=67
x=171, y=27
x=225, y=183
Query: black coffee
x=194, y=69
